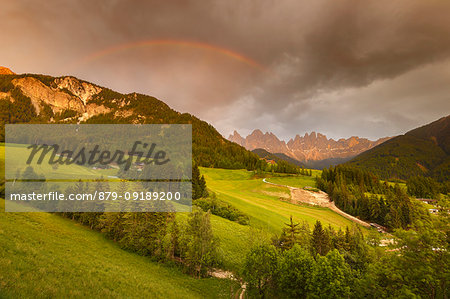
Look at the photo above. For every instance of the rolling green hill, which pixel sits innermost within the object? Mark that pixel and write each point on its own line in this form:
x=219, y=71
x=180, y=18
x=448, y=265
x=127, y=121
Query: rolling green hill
x=44, y=255
x=423, y=151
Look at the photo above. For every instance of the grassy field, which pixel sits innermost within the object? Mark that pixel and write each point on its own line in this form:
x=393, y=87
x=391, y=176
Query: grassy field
x=263, y=202
x=300, y=181
x=44, y=255
x=402, y=185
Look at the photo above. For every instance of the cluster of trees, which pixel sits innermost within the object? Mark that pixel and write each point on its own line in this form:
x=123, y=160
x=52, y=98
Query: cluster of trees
x=21, y=111
x=426, y=187
x=321, y=240
x=160, y=236
x=295, y=273
x=361, y=194
x=329, y=264
x=285, y=167
x=281, y=166
x=222, y=209
x=199, y=189
x=303, y=264
x=307, y=172
x=210, y=203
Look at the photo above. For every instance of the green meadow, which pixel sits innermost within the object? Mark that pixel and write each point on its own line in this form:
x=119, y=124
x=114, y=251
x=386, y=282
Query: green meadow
x=266, y=204
x=400, y=184
x=43, y=255
x=299, y=181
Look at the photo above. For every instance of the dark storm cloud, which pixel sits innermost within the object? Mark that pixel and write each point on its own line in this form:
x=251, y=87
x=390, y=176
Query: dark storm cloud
x=332, y=66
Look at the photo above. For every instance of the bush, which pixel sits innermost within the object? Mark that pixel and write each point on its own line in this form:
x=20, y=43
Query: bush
x=221, y=209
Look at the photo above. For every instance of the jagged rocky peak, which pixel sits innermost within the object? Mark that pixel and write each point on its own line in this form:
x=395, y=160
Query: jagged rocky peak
x=235, y=137
x=312, y=146
x=6, y=71
x=257, y=133
x=83, y=90
x=236, y=134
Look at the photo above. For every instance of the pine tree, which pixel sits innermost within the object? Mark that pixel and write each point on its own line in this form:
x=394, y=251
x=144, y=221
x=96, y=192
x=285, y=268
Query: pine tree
x=289, y=235
x=198, y=184
x=320, y=242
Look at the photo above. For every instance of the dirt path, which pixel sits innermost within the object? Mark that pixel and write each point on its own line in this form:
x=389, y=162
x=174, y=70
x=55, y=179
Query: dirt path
x=222, y=274
x=320, y=198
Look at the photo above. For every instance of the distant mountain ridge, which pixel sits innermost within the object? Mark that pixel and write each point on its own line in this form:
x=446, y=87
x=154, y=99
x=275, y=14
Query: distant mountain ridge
x=422, y=151
x=262, y=153
x=309, y=148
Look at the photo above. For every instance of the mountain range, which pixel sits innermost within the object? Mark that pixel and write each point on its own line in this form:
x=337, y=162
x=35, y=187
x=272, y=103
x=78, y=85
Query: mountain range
x=310, y=148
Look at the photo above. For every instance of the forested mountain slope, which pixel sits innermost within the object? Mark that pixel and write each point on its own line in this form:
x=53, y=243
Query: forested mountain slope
x=30, y=98
x=423, y=151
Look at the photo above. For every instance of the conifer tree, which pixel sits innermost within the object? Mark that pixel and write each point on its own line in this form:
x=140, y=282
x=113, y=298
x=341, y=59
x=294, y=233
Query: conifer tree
x=289, y=235
x=320, y=242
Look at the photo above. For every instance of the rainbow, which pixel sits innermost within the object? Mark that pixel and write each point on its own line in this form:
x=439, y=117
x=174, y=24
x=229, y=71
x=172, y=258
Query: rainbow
x=168, y=42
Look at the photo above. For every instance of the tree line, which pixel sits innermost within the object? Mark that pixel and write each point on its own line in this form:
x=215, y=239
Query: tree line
x=363, y=195
x=426, y=187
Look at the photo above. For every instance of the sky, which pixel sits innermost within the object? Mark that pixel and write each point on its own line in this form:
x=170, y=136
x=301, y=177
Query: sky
x=343, y=68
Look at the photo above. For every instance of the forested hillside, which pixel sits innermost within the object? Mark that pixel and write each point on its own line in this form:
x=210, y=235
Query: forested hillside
x=44, y=99
x=262, y=153
x=361, y=194
x=424, y=151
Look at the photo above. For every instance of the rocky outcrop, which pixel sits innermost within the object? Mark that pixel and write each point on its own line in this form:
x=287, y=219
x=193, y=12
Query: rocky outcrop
x=41, y=94
x=66, y=93
x=83, y=90
x=310, y=147
x=6, y=71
